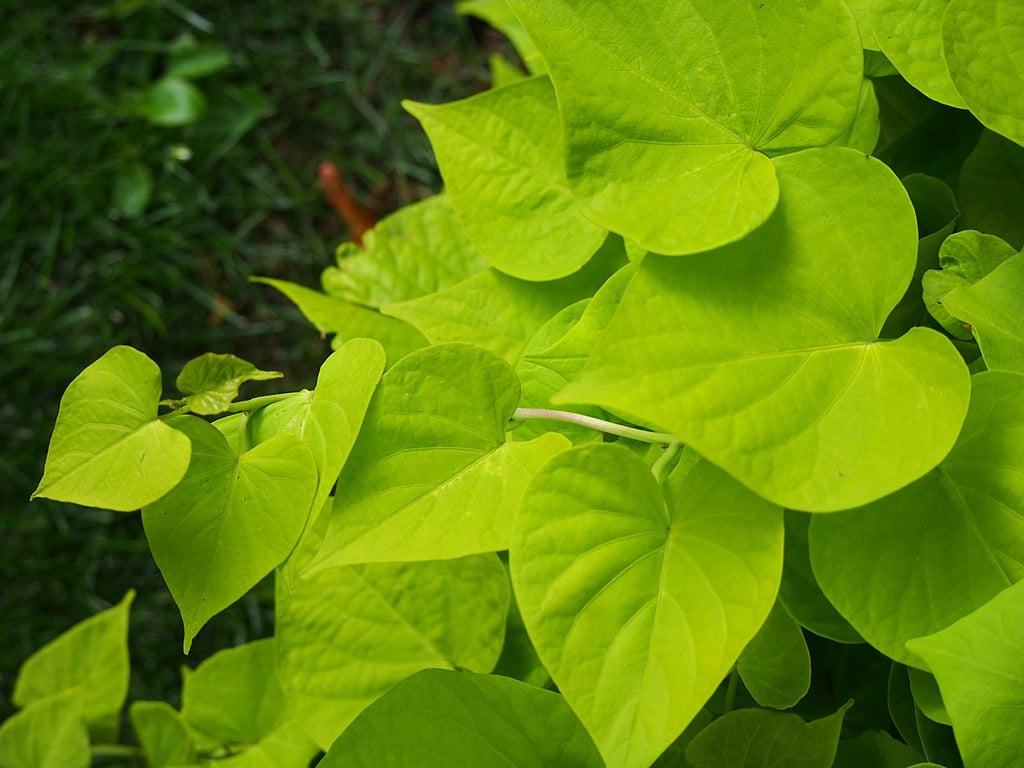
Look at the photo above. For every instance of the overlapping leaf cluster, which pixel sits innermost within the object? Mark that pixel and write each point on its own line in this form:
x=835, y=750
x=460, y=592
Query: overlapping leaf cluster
x=761, y=246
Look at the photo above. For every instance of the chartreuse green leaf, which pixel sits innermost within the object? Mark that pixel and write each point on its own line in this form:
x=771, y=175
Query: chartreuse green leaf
x=876, y=749
x=672, y=111
x=210, y=382
x=760, y=738
x=348, y=634
x=416, y=251
x=235, y=698
x=432, y=475
x=162, y=733
x=776, y=666
x=234, y=518
x=108, y=448
x=763, y=356
x=500, y=16
x=501, y=156
x=90, y=658
x=502, y=313
x=330, y=314
x=927, y=695
x=48, y=733
x=964, y=258
x=909, y=32
x=981, y=40
x=464, y=720
x=913, y=562
x=799, y=592
x=991, y=189
x=994, y=307
x=328, y=419
x=639, y=601
x=977, y=662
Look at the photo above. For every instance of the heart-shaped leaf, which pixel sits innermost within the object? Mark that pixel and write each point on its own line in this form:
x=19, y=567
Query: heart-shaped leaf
x=764, y=355
x=672, y=108
x=232, y=519
x=108, y=448
x=638, y=601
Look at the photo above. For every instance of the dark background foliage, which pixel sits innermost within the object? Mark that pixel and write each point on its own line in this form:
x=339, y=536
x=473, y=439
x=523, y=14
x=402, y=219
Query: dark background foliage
x=233, y=194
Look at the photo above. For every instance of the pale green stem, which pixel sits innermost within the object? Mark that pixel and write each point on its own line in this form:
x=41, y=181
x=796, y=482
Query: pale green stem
x=257, y=402
x=665, y=459
x=116, y=751
x=632, y=433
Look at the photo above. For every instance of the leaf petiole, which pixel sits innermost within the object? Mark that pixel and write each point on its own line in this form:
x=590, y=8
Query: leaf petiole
x=601, y=425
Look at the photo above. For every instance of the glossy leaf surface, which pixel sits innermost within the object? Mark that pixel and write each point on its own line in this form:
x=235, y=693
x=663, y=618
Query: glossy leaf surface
x=108, y=448
x=639, y=602
x=776, y=374
x=468, y=721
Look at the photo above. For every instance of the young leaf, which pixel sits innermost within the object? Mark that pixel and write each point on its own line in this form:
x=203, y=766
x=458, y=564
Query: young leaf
x=501, y=156
x=991, y=189
x=348, y=634
x=48, y=733
x=980, y=40
x=432, y=476
x=994, y=307
x=171, y=101
x=672, y=110
x=91, y=659
x=210, y=382
x=965, y=258
x=639, y=602
x=776, y=666
x=909, y=33
x=231, y=520
x=464, y=720
x=977, y=662
x=759, y=738
x=914, y=562
x=162, y=733
x=109, y=449
x=763, y=356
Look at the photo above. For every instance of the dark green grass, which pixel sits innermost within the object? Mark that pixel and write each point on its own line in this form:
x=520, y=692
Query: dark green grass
x=307, y=82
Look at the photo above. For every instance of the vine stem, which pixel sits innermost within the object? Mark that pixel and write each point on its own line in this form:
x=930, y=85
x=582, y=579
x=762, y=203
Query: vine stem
x=258, y=402
x=632, y=433
x=116, y=751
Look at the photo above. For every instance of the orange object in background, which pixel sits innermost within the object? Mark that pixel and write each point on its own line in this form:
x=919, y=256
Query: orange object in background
x=358, y=218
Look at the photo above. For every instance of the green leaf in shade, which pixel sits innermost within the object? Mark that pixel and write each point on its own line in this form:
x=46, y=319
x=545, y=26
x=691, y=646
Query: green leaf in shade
x=464, y=720
x=760, y=738
x=519, y=658
x=991, y=189
x=876, y=749
x=348, y=634
x=977, y=662
x=994, y=307
x=417, y=251
x=502, y=313
x=329, y=314
x=170, y=102
x=232, y=519
x=669, y=136
x=197, y=60
x=909, y=33
x=914, y=562
x=775, y=374
x=501, y=156
x=48, y=733
x=925, y=691
x=108, y=447
x=90, y=658
x=210, y=382
x=235, y=698
x=901, y=705
x=964, y=258
x=500, y=16
x=638, y=601
x=329, y=419
x=133, y=189
x=799, y=592
x=981, y=40
x=432, y=476
x=162, y=733
x=938, y=741
x=776, y=666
